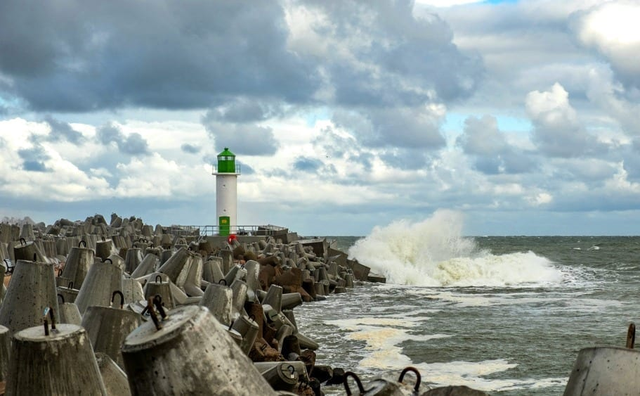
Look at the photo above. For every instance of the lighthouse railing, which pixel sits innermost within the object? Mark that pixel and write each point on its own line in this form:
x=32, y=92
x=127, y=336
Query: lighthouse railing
x=210, y=230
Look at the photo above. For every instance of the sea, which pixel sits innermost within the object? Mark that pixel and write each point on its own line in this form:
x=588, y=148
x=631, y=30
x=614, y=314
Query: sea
x=503, y=314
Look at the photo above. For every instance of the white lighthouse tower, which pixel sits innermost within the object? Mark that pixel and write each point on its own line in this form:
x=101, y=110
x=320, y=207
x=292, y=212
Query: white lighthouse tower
x=227, y=173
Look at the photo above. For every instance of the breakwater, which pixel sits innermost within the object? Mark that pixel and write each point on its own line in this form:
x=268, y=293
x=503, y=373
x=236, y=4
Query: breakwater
x=122, y=307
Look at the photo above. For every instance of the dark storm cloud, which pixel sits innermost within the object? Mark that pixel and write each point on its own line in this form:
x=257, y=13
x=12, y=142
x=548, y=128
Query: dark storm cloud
x=90, y=55
x=247, y=139
x=33, y=159
x=396, y=58
x=133, y=144
x=190, y=149
x=63, y=131
x=244, y=109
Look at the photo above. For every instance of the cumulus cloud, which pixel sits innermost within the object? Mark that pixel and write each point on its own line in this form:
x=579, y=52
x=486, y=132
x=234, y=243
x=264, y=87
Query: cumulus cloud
x=611, y=28
x=558, y=131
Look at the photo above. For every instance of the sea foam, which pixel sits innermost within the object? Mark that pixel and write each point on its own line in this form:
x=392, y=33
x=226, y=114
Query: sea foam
x=433, y=252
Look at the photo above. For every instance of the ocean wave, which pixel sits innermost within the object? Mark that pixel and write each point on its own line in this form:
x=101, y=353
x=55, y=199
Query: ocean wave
x=433, y=252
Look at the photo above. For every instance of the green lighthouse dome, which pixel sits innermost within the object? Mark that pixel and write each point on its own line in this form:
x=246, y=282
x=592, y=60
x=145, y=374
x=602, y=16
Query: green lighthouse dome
x=226, y=161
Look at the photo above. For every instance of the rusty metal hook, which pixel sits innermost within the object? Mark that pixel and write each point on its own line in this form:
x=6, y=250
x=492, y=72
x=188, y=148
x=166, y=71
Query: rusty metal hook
x=152, y=313
x=416, y=372
x=358, y=382
x=631, y=336
x=49, y=311
x=81, y=242
x=157, y=301
x=113, y=297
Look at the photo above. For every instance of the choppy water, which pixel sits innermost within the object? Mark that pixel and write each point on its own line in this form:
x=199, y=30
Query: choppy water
x=506, y=315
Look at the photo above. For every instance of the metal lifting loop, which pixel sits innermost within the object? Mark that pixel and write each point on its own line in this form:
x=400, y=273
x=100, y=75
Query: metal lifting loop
x=292, y=370
x=70, y=285
x=358, y=382
x=108, y=259
x=49, y=311
x=61, y=297
x=223, y=282
x=118, y=293
x=35, y=257
x=152, y=313
x=10, y=268
x=158, y=279
x=82, y=242
x=418, y=377
x=23, y=241
x=157, y=302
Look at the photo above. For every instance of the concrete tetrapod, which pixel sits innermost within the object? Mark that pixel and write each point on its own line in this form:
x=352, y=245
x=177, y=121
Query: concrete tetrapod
x=282, y=376
x=114, y=378
x=5, y=347
x=147, y=266
x=274, y=297
x=132, y=290
x=47, y=362
x=69, y=313
x=132, y=260
x=601, y=371
x=177, y=266
x=239, y=289
x=163, y=289
x=253, y=283
x=31, y=290
x=218, y=299
x=101, y=281
x=193, y=282
x=79, y=260
x=212, y=270
x=68, y=292
x=248, y=329
x=108, y=327
x=191, y=354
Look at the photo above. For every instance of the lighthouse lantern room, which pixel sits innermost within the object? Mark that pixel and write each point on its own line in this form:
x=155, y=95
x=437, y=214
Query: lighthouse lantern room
x=227, y=173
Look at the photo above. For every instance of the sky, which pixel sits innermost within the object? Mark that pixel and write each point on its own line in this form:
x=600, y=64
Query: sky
x=519, y=116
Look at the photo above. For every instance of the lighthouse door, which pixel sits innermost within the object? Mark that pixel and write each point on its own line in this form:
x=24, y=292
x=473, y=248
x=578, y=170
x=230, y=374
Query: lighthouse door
x=223, y=223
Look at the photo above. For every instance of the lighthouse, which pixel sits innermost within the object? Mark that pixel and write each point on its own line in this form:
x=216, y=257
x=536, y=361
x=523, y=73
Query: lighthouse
x=227, y=173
